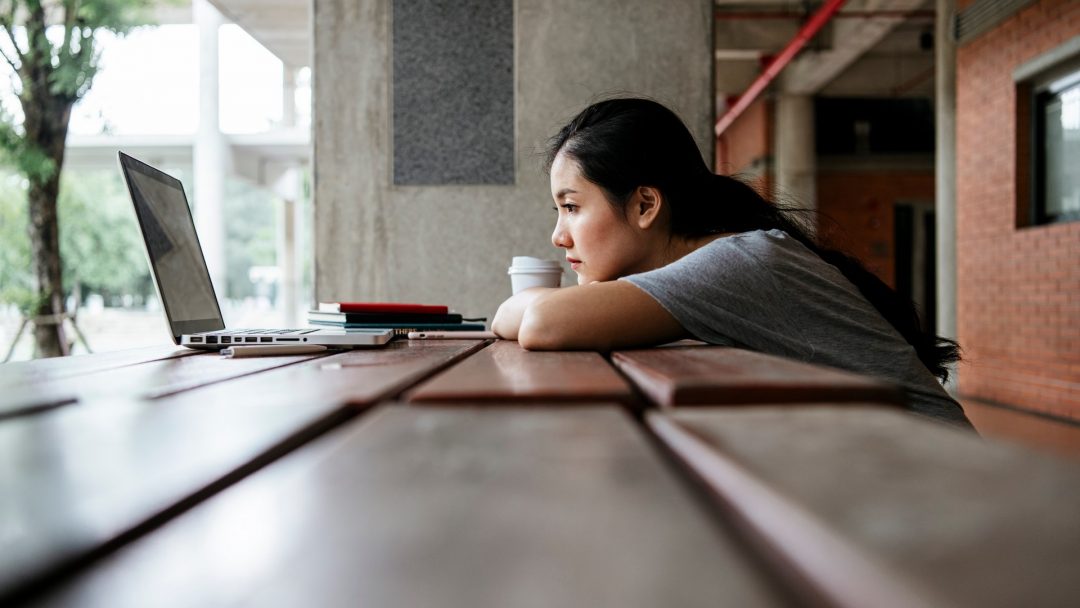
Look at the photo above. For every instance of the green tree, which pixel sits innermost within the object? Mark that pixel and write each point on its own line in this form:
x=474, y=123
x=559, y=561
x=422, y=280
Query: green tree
x=16, y=281
x=250, y=235
x=100, y=239
x=51, y=75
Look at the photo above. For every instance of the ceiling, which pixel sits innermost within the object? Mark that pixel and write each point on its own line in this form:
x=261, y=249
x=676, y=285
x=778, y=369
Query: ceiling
x=282, y=26
x=870, y=48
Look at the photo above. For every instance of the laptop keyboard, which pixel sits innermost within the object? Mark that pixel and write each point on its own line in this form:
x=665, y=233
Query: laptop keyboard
x=267, y=332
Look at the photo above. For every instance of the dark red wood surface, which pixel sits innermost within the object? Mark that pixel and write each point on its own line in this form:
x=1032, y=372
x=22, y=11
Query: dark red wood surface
x=445, y=506
x=82, y=478
x=717, y=375
x=504, y=372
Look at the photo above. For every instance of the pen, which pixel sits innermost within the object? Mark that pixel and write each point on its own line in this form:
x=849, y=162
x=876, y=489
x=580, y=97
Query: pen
x=451, y=335
x=263, y=350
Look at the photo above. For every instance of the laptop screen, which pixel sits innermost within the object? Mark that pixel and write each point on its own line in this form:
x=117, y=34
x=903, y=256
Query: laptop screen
x=176, y=259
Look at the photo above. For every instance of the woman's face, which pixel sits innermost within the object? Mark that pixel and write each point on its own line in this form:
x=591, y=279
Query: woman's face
x=600, y=245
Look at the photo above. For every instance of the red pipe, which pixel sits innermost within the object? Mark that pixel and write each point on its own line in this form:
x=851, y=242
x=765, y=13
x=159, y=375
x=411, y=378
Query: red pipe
x=786, y=15
x=807, y=32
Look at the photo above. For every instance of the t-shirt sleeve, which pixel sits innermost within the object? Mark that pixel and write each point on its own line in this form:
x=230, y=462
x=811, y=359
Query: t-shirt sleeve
x=722, y=293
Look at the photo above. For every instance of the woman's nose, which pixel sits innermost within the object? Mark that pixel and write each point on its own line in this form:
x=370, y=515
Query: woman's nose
x=561, y=238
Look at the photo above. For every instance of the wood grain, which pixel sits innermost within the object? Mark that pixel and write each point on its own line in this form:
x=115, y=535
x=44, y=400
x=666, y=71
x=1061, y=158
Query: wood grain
x=717, y=375
x=79, y=480
x=440, y=506
x=45, y=370
x=506, y=373
x=148, y=380
x=973, y=522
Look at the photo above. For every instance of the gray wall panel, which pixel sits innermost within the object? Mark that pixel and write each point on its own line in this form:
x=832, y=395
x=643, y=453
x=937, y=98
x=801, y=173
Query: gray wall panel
x=453, y=92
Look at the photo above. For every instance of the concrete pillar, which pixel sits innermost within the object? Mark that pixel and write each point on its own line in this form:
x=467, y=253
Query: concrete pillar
x=796, y=166
x=212, y=156
x=287, y=189
x=288, y=96
x=945, y=173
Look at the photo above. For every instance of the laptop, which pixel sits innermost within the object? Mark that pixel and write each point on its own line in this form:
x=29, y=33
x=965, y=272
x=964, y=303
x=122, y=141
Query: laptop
x=183, y=281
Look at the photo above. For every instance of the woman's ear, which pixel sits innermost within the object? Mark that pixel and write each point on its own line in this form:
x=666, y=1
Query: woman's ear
x=646, y=207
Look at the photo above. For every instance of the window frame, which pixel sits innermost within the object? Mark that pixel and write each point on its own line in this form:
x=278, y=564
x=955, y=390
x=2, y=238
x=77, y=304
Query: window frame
x=1034, y=83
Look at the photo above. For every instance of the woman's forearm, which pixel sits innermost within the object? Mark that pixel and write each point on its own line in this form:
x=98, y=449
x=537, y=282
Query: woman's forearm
x=507, y=320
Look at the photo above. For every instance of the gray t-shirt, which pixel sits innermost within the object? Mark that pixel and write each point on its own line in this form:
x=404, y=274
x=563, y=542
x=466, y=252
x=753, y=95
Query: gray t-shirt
x=767, y=292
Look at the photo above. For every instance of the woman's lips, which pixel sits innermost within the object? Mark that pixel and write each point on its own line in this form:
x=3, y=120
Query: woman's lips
x=573, y=263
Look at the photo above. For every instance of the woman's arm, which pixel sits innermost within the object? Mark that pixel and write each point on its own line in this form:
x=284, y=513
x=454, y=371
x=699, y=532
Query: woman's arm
x=507, y=319
x=597, y=316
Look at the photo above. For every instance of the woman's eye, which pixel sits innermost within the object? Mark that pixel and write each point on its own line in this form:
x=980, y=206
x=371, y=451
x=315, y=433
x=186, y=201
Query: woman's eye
x=570, y=208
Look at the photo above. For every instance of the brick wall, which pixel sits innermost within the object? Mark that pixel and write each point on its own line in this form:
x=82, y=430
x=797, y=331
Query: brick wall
x=856, y=212
x=1018, y=288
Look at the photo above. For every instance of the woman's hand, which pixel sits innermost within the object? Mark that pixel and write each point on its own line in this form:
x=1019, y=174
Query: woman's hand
x=507, y=321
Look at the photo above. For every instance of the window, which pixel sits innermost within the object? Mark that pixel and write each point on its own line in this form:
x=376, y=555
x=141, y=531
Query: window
x=1048, y=138
x=1057, y=150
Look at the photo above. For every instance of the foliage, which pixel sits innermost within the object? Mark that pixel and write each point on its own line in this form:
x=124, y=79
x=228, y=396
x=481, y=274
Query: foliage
x=250, y=235
x=16, y=283
x=20, y=153
x=67, y=64
x=101, y=244
x=99, y=239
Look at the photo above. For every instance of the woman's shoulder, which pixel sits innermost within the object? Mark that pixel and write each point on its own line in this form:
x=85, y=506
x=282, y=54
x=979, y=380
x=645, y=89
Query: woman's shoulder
x=735, y=256
x=757, y=243
x=772, y=236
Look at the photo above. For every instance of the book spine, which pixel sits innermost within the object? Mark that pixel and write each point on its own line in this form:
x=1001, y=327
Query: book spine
x=383, y=307
x=366, y=317
x=411, y=326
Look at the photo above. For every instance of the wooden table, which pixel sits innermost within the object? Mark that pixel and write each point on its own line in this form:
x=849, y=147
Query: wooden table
x=473, y=473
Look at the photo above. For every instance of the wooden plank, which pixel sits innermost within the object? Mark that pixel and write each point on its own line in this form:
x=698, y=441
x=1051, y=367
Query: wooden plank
x=506, y=373
x=439, y=506
x=967, y=521
x=77, y=481
x=47, y=370
x=149, y=380
x=718, y=375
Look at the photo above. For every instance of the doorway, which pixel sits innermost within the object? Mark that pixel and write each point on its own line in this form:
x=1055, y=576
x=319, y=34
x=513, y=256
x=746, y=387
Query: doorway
x=915, y=258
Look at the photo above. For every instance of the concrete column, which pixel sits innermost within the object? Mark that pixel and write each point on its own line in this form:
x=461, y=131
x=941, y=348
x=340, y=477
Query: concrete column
x=945, y=173
x=287, y=188
x=212, y=157
x=796, y=166
x=288, y=96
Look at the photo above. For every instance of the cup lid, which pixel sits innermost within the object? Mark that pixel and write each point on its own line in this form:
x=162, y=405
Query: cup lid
x=522, y=262
x=538, y=270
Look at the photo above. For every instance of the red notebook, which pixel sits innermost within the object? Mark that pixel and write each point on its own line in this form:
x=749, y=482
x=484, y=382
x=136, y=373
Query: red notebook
x=383, y=307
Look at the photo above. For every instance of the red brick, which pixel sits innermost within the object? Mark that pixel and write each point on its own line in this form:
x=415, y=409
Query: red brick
x=1018, y=289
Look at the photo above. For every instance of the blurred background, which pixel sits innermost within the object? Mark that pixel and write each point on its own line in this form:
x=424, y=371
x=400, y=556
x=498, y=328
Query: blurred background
x=198, y=96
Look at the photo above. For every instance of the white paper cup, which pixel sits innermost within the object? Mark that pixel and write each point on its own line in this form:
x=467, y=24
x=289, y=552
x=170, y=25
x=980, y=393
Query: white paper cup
x=526, y=272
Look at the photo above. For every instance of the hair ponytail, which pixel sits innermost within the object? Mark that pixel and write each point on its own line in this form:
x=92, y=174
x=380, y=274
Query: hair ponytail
x=751, y=211
x=620, y=144
x=935, y=352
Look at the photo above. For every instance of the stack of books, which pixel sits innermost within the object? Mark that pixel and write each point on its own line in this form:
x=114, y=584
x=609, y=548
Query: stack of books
x=402, y=318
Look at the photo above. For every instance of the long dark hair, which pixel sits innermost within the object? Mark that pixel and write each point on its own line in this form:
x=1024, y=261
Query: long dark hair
x=622, y=144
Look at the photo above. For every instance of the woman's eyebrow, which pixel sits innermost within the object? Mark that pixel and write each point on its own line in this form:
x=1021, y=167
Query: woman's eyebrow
x=561, y=193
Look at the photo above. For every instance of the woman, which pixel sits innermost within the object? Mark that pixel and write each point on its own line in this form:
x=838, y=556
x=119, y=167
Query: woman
x=664, y=249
